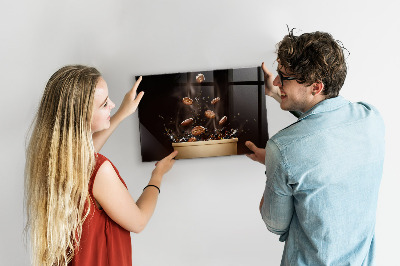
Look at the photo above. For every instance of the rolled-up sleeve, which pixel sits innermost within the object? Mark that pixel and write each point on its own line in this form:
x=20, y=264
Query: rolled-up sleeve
x=277, y=208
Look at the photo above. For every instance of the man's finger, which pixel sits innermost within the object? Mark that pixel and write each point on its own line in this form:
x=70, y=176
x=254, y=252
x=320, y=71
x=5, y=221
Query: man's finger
x=265, y=69
x=251, y=156
x=251, y=146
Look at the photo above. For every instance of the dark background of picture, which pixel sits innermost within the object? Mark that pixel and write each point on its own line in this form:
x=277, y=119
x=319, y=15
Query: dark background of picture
x=242, y=100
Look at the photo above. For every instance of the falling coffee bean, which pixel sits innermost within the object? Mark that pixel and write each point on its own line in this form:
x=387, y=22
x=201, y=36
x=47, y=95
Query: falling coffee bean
x=200, y=78
x=215, y=100
x=209, y=114
x=222, y=120
x=198, y=130
x=187, y=122
x=187, y=101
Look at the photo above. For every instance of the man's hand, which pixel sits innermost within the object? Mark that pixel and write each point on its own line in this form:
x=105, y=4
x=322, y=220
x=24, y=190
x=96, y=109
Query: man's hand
x=258, y=155
x=270, y=89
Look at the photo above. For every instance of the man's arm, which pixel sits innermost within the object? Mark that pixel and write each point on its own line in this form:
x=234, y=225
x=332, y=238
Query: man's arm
x=128, y=107
x=276, y=211
x=276, y=206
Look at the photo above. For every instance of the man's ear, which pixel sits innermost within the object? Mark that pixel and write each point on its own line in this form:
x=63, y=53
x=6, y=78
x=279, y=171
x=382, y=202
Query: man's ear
x=317, y=88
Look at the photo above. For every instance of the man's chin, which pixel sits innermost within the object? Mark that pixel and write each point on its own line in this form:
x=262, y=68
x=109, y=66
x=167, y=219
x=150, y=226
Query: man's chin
x=285, y=108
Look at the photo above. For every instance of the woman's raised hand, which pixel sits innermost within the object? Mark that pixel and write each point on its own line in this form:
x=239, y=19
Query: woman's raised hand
x=131, y=100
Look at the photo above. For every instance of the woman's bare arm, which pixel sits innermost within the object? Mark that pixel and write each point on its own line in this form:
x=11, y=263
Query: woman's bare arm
x=119, y=205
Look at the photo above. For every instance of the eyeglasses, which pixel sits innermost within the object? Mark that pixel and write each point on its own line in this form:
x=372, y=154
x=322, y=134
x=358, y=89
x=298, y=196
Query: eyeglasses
x=282, y=78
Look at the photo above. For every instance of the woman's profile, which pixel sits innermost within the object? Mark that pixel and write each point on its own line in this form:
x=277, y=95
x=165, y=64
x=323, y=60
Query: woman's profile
x=79, y=211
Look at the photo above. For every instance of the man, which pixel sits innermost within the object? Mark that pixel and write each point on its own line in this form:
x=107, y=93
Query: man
x=323, y=171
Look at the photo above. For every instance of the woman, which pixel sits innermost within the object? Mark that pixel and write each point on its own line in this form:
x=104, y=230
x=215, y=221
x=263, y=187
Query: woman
x=78, y=207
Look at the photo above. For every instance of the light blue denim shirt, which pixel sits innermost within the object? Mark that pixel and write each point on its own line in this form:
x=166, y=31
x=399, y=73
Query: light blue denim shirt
x=323, y=175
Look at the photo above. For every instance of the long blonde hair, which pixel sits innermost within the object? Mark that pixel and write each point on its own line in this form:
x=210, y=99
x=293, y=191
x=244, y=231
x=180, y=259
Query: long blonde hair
x=59, y=162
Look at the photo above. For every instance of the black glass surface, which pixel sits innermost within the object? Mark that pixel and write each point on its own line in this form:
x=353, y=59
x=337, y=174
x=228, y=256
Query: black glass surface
x=162, y=109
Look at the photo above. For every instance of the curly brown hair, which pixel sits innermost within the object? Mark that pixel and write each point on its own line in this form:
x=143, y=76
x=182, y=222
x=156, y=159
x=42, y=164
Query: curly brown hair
x=314, y=57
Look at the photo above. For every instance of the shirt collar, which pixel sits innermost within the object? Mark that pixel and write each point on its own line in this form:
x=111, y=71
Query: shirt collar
x=325, y=106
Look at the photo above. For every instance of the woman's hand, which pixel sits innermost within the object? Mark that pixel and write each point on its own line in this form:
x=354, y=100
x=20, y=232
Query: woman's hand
x=128, y=107
x=270, y=89
x=131, y=100
x=163, y=166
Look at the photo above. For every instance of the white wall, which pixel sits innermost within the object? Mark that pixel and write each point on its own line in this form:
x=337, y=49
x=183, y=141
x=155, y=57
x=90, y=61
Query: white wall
x=208, y=208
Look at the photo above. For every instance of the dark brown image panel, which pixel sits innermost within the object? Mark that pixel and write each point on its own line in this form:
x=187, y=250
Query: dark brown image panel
x=202, y=114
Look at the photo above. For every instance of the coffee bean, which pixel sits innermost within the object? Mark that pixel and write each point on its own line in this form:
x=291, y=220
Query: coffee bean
x=198, y=130
x=209, y=114
x=222, y=120
x=187, y=101
x=200, y=78
x=187, y=122
x=215, y=100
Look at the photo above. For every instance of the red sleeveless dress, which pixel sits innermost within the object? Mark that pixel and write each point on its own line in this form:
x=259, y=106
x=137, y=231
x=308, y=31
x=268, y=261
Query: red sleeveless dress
x=103, y=241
